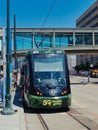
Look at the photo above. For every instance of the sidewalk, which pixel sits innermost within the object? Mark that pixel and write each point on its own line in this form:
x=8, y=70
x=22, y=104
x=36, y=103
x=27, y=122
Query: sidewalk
x=17, y=120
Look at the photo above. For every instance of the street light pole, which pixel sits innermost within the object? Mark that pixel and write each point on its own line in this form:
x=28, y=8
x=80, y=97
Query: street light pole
x=8, y=110
x=15, y=54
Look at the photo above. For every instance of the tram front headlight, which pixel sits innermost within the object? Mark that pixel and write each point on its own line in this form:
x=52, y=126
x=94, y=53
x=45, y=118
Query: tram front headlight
x=39, y=93
x=64, y=92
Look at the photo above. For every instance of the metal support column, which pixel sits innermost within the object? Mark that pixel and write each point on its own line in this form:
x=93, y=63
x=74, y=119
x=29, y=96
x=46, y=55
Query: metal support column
x=15, y=54
x=8, y=109
x=73, y=39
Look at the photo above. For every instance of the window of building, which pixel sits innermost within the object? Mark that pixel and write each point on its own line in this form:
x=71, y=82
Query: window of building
x=96, y=38
x=23, y=41
x=64, y=39
x=44, y=40
x=83, y=39
x=86, y=16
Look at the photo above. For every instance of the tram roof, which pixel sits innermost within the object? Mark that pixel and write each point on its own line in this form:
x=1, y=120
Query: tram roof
x=45, y=51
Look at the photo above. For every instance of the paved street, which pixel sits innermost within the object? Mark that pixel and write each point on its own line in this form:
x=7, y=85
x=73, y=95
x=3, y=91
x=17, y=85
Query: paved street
x=84, y=96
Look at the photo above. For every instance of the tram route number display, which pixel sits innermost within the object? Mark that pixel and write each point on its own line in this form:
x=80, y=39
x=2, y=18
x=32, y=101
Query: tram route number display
x=52, y=102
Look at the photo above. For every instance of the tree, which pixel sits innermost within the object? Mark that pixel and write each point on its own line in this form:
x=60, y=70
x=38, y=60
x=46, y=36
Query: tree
x=77, y=68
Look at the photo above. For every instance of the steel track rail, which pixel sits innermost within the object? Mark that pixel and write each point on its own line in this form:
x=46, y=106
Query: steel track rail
x=84, y=121
x=42, y=122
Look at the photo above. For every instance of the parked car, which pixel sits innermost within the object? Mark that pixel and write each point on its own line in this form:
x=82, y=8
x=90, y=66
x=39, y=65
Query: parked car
x=94, y=72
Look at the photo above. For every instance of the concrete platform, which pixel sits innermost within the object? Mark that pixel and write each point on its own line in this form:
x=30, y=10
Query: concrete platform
x=15, y=121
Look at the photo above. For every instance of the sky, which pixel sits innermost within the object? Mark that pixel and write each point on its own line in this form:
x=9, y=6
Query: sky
x=41, y=13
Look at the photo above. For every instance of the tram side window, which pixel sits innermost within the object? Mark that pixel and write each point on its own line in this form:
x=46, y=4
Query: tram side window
x=27, y=75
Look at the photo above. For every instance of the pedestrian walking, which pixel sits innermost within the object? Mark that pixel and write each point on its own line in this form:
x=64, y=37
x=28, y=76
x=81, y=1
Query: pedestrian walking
x=14, y=80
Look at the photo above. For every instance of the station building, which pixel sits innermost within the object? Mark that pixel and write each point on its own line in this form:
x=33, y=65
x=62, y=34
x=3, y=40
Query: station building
x=72, y=40
x=89, y=19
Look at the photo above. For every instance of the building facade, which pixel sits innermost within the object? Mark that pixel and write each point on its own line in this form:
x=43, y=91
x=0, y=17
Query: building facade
x=84, y=59
x=89, y=18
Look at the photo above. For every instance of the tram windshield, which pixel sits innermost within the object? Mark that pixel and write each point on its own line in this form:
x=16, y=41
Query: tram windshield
x=49, y=70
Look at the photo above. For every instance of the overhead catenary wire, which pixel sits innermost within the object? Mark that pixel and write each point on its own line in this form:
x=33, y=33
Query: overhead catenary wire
x=37, y=44
x=48, y=13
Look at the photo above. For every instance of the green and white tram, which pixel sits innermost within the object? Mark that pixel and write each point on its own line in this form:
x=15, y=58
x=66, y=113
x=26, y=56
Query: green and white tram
x=46, y=77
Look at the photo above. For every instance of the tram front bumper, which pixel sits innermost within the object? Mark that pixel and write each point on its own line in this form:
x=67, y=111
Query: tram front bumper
x=50, y=102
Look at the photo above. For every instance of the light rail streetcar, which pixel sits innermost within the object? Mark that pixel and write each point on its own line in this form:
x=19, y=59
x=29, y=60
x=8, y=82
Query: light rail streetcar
x=46, y=79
